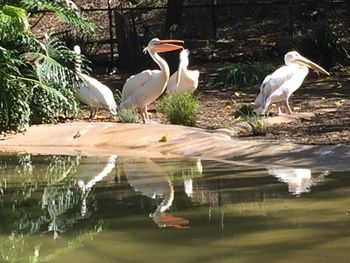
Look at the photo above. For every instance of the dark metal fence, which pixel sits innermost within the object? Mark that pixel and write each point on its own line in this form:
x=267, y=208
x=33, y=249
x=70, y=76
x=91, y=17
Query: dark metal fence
x=251, y=27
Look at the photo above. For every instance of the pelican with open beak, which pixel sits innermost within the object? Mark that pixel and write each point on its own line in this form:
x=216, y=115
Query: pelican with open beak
x=142, y=89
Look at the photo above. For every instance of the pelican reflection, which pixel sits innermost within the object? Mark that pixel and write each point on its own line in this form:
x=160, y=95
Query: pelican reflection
x=85, y=187
x=148, y=178
x=299, y=180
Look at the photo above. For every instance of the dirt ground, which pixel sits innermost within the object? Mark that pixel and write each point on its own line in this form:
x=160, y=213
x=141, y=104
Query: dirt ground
x=321, y=107
x=323, y=101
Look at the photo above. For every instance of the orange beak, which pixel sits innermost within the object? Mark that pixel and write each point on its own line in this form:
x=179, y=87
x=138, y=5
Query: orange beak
x=169, y=45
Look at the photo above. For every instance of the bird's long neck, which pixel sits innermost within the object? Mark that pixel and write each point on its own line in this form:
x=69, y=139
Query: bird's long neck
x=184, y=65
x=77, y=63
x=162, y=64
x=167, y=201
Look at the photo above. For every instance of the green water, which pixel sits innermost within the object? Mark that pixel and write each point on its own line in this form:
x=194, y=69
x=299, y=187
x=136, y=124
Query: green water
x=120, y=209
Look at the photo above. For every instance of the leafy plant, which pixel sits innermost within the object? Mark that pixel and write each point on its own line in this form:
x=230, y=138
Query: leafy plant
x=61, y=10
x=127, y=116
x=53, y=95
x=14, y=92
x=37, y=78
x=244, y=111
x=179, y=108
x=322, y=45
x=257, y=123
x=243, y=74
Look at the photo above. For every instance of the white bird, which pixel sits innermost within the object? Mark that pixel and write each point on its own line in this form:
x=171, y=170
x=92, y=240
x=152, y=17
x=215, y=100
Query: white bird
x=183, y=79
x=282, y=83
x=92, y=92
x=71, y=5
x=142, y=89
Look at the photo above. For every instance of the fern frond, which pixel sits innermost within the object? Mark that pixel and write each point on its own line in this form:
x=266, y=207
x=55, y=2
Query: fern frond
x=62, y=11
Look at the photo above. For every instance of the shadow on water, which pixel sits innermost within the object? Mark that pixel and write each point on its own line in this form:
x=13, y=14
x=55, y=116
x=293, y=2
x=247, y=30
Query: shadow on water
x=56, y=208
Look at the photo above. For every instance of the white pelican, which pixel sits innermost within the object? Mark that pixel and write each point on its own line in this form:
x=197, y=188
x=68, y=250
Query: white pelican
x=183, y=79
x=71, y=5
x=92, y=92
x=280, y=85
x=142, y=89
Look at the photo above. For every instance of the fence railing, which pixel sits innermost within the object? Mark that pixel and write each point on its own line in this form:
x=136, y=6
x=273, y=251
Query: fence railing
x=237, y=24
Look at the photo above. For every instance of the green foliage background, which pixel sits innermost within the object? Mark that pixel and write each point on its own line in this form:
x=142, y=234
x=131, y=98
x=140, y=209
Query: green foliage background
x=37, y=78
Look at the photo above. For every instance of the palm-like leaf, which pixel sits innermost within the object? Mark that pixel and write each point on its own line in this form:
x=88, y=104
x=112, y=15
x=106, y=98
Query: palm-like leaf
x=62, y=11
x=53, y=65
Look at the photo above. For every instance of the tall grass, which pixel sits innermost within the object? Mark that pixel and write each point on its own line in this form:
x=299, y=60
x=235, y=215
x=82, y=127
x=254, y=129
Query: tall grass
x=243, y=74
x=179, y=108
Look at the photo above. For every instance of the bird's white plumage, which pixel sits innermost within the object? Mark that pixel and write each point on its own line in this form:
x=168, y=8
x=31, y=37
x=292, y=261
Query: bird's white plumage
x=280, y=85
x=91, y=91
x=283, y=82
x=71, y=5
x=188, y=80
x=95, y=94
x=142, y=89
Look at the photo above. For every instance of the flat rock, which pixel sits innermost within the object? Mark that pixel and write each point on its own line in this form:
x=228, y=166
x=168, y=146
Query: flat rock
x=105, y=138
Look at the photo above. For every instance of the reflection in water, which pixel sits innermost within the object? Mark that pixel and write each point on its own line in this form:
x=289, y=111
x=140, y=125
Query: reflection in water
x=299, y=180
x=86, y=187
x=231, y=209
x=149, y=179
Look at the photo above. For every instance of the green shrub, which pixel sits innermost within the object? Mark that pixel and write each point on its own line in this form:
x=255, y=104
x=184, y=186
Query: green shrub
x=244, y=111
x=256, y=123
x=322, y=45
x=243, y=74
x=179, y=108
x=127, y=116
x=37, y=78
x=55, y=108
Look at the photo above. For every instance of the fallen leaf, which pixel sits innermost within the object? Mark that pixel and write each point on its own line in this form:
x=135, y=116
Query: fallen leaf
x=164, y=138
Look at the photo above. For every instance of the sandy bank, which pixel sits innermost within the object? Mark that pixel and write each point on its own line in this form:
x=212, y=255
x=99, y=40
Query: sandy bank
x=103, y=138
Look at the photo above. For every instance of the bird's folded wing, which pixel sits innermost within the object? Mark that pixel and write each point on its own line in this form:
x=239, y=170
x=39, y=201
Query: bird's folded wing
x=274, y=81
x=134, y=82
x=93, y=83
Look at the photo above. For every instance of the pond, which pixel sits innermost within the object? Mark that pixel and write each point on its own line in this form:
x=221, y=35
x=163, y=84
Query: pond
x=124, y=209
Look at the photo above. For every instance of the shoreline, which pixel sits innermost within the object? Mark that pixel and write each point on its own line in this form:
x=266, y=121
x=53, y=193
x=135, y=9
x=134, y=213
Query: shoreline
x=105, y=138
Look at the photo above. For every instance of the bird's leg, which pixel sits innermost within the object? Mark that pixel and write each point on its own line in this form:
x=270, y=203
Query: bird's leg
x=279, y=111
x=91, y=113
x=146, y=113
x=288, y=107
x=142, y=112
